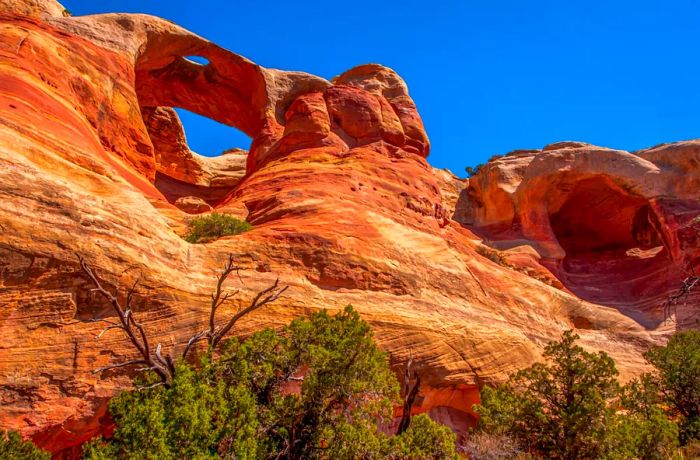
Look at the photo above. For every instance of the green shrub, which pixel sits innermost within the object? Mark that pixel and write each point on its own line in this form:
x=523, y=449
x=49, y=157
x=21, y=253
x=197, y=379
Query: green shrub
x=318, y=389
x=12, y=447
x=642, y=429
x=677, y=377
x=473, y=170
x=212, y=226
x=571, y=407
x=559, y=409
x=423, y=440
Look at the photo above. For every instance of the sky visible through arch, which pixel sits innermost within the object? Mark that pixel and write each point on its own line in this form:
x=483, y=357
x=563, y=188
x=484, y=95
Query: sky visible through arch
x=487, y=76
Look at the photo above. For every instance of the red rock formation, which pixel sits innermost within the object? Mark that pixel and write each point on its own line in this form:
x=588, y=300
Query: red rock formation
x=615, y=227
x=345, y=207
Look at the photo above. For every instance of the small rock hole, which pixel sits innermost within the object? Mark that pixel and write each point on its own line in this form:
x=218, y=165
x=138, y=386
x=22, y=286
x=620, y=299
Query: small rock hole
x=199, y=60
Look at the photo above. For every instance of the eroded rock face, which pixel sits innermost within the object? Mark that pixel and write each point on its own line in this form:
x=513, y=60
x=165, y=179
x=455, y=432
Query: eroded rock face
x=617, y=228
x=34, y=8
x=193, y=205
x=345, y=207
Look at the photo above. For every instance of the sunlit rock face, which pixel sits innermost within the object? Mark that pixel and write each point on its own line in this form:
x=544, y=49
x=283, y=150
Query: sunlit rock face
x=616, y=228
x=345, y=207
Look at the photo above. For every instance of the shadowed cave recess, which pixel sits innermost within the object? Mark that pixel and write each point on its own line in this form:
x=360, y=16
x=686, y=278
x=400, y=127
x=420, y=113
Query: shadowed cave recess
x=614, y=247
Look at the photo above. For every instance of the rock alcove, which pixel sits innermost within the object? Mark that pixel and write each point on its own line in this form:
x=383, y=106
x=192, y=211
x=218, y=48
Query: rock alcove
x=611, y=238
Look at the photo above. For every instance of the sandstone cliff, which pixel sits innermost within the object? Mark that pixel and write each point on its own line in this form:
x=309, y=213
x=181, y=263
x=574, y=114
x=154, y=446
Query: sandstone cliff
x=345, y=207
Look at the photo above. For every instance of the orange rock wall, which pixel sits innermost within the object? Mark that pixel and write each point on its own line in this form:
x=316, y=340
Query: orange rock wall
x=345, y=207
x=617, y=228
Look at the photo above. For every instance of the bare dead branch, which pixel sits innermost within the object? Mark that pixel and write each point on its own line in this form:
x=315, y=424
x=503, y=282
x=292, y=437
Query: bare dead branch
x=145, y=369
x=682, y=296
x=195, y=338
x=410, y=393
x=130, y=293
x=159, y=356
x=215, y=334
x=689, y=284
x=216, y=300
x=155, y=360
x=148, y=387
x=102, y=320
x=113, y=326
x=131, y=327
x=116, y=366
x=171, y=363
x=264, y=297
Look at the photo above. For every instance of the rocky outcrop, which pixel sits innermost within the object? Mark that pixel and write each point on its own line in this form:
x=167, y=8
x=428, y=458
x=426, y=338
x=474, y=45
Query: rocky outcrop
x=175, y=160
x=193, y=205
x=345, y=209
x=617, y=228
x=44, y=9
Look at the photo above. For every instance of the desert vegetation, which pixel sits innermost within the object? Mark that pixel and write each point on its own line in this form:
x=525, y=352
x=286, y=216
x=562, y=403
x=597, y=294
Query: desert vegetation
x=317, y=389
x=320, y=388
x=13, y=447
x=494, y=255
x=572, y=407
x=473, y=170
x=209, y=227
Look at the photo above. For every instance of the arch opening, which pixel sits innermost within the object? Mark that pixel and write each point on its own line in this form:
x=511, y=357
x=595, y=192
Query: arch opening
x=208, y=137
x=213, y=83
x=219, y=97
x=199, y=60
x=614, y=249
x=183, y=174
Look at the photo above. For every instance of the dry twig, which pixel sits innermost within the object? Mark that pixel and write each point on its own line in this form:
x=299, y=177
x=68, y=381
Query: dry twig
x=133, y=329
x=215, y=334
x=154, y=359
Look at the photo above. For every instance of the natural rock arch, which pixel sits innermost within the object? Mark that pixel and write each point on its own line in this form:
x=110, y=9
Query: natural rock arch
x=177, y=69
x=607, y=223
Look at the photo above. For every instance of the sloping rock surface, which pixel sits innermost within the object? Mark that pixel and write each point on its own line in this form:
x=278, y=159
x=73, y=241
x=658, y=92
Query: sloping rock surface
x=345, y=207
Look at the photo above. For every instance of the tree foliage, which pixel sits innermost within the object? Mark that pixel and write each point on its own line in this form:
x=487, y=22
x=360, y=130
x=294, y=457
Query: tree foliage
x=195, y=417
x=571, y=407
x=641, y=429
x=677, y=377
x=13, y=447
x=318, y=389
x=212, y=226
x=558, y=409
x=473, y=170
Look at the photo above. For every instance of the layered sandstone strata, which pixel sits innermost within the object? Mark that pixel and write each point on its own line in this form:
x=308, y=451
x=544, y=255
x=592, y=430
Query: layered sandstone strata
x=345, y=207
x=617, y=228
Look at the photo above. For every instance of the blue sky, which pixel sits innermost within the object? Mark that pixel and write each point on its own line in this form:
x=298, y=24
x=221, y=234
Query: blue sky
x=487, y=76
